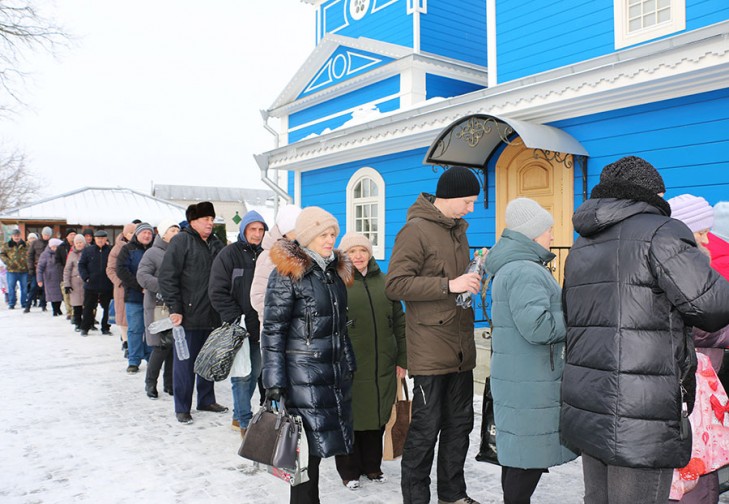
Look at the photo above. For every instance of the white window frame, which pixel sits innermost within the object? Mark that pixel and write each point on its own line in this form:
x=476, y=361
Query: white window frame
x=378, y=251
x=624, y=38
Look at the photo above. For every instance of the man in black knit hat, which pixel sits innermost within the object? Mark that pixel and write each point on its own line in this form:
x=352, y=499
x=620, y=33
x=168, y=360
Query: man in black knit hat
x=427, y=272
x=635, y=282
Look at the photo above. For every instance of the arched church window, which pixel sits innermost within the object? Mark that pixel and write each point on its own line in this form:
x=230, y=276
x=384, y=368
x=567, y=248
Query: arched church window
x=366, y=208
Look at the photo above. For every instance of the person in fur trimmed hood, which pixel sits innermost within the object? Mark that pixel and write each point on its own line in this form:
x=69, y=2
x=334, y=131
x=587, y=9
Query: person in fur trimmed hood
x=307, y=356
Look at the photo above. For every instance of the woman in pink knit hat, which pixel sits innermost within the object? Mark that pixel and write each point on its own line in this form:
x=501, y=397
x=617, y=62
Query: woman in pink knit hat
x=698, y=482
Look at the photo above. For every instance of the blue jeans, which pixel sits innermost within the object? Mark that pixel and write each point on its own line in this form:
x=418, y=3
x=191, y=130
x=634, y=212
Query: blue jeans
x=138, y=348
x=609, y=484
x=22, y=279
x=244, y=387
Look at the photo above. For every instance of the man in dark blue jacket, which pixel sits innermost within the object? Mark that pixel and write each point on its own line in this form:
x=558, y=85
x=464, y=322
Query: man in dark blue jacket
x=97, y=286
x=230, y=293
x=183, y=283
x=126, y=269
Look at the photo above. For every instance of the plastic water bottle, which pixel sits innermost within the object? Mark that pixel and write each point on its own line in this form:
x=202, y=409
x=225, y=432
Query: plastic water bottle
x=475, y=266
x=178, y=333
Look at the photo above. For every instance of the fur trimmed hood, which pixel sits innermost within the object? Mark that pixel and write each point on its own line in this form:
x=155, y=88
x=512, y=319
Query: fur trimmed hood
x=290, y=259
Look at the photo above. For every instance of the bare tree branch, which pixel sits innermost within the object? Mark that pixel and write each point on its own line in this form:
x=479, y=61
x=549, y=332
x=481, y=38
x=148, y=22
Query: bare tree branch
x=22, y=29
x=18, y=185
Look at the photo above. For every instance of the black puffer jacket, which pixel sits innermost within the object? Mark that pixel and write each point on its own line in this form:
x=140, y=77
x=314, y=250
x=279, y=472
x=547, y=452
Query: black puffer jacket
x=230, y=284
x=305, y=346
x=634, y=281
x=184, y=275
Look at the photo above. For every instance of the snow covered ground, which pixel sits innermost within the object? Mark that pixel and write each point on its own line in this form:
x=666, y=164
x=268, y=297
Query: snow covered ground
x=74, y=427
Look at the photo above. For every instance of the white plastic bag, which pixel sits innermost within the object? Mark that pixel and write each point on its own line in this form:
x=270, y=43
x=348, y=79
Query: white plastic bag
x=242, y=362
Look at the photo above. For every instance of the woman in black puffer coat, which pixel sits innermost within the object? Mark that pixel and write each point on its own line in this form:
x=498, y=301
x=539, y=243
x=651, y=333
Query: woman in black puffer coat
x=306, y=353
x=635, y=283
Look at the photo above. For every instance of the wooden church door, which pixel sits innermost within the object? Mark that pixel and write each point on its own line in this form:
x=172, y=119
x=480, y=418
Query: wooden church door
x=519, y=173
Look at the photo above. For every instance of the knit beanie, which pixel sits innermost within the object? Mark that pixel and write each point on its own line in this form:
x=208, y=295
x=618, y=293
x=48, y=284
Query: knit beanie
x=88, y=232
x=721, y=220
x=350, y=240
x=634, y=170
x=33, y=236
x=286, y=218
x=457, y=182
x=54, y=242
x=202, y=209
x=68, y=232
x=527, y=217
x=694, y=211
x=79, y=238
x=313, y=221
x=144, y=226
x=46, y=231
x=166, y=224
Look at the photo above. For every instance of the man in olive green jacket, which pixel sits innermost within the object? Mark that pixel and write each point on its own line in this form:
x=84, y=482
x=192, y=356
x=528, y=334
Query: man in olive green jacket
x=427, y=272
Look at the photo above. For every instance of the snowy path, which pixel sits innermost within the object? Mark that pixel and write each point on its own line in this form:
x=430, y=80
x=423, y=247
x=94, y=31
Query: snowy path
x=77, y=428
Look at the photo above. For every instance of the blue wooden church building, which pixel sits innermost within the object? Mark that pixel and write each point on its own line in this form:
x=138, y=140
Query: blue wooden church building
x=535, y=96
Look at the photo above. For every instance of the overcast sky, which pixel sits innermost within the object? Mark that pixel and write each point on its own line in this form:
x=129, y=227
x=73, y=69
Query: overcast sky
x=163, y=91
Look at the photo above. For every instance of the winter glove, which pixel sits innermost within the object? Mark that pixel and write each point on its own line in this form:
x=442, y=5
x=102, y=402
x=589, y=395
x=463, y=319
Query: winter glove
x=274, y=394
x=68, y=290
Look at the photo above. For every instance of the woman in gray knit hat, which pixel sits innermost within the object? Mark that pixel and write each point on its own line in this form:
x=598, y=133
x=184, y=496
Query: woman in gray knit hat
x=528, y=351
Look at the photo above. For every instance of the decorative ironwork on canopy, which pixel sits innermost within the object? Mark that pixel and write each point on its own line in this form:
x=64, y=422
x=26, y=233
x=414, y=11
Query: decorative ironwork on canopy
x=471, y=141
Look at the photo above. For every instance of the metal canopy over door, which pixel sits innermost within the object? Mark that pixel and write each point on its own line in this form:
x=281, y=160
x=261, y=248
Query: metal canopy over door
x=538, y=162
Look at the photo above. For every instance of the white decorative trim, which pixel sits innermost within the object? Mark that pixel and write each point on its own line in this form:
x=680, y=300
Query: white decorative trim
x=438, y=66
x=624, y=37
x=684, y=65
x=378, y=251
x=323, y=51
x=491, y=48
x=325, y=30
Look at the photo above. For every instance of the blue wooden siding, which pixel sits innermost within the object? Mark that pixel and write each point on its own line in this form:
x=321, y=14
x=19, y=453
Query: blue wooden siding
x=686, y=139
x=386, y=21
x=405, y=178
x=342, y=65
x=534, y=36
x=337, y=106
x=455, y=29
x=435, y=85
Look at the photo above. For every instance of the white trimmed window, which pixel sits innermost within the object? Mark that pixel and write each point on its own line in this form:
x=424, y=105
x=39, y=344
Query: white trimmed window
x=366, y=208
x=637, y=21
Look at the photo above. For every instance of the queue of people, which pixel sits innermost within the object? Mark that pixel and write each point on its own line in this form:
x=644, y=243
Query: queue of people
x=603, y=367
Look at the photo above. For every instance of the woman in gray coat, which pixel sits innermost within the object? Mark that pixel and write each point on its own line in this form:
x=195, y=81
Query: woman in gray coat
x=528, y=351
x=49, y=275
x=73, y=284
x=147, y=272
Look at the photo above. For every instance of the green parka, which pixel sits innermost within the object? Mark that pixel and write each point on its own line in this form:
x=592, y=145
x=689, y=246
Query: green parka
x=377, y=332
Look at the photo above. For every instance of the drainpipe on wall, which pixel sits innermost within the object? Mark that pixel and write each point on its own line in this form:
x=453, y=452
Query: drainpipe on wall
x=491, y=42
x=262, y=161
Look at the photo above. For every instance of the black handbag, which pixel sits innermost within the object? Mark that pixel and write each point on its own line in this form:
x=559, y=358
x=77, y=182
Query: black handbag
x=166, y=340
x=216, y=356
x=272, y=437
x=487, y=450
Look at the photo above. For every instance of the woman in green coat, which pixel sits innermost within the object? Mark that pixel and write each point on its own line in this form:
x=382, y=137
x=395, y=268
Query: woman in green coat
x=377, y=332
x=528, y=351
